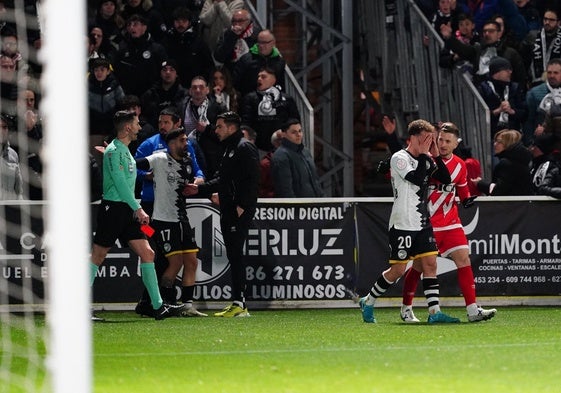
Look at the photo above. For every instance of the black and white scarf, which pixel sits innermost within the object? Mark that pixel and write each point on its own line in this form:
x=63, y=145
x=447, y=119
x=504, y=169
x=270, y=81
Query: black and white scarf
x=194, y=114
x=542, y=54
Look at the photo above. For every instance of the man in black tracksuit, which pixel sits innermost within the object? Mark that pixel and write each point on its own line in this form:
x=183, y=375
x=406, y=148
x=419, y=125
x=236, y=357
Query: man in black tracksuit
x=237, y=185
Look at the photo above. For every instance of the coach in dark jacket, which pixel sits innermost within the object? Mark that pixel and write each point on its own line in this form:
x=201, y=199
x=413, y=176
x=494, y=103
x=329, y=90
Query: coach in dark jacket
x=237, y=185
x=292, y=167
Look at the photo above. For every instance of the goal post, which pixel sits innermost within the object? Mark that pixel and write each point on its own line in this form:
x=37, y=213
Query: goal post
x=68, y=229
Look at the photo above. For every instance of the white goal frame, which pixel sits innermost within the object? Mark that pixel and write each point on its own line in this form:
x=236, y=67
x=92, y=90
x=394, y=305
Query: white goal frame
x=65, y=156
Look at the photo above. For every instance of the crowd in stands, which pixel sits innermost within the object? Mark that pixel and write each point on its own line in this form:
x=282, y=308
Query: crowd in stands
x=511, y=50
x=202, y=58
x=195, y=59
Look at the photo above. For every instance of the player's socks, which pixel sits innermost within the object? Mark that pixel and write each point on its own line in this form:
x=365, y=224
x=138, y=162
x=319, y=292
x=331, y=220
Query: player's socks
x=187, y=293
x=410, y=286
x=472, y=309
x=93, y=272
x=168, y=294
x=150, y=281
x=380, y=287
x=467, y=284
x=431, y=290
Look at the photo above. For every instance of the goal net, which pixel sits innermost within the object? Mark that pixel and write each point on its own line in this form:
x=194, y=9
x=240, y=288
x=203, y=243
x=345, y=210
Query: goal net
x=45, y=329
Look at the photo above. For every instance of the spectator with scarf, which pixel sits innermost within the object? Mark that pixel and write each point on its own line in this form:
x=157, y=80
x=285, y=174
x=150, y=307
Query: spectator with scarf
x=236, y=41
x=504, y=97
x=541, y=99
x=541, y=46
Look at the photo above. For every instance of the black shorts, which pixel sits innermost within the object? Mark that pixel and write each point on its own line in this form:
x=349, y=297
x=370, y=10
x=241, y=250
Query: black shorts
x=115, y=221
x=408, y=245
x=174, y=237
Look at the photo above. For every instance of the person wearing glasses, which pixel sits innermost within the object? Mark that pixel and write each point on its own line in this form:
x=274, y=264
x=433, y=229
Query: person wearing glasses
x=540, y=46
x=236, y=40
x=215, y=17
x=263, y=54
x=480, y=55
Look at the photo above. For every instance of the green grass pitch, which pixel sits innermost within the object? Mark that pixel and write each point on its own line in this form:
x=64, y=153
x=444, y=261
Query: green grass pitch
x=326, y=350
x=331, y=350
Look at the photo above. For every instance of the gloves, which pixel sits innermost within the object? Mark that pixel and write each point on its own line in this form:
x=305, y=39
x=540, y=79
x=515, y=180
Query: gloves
x=383, y=167
x=469, y=202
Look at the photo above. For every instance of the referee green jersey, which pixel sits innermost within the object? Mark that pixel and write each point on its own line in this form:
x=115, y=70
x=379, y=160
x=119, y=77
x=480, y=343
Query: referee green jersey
x=119, y=174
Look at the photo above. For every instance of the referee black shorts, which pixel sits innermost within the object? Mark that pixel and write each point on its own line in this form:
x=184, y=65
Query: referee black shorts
x=115, y=220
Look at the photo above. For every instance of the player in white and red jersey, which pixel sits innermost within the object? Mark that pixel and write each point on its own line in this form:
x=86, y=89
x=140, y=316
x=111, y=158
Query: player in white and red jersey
x=448, y=230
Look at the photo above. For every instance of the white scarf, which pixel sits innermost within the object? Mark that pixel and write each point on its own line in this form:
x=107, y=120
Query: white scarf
x=503, y=116
x=551, y=98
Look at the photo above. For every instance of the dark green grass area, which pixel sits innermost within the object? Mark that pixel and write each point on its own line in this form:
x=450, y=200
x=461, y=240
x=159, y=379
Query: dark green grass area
x=329, y=350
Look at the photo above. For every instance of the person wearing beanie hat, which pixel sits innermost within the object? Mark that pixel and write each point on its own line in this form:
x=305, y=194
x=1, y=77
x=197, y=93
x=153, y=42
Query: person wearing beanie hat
x=498, y=64
x=504, y=97
x=99, y=62
x=481, y=54
x=168, y=91
x=104, y=91
x=546, y=166
x=170, y=63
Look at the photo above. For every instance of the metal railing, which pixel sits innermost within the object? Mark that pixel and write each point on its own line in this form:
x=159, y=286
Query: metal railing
x=411, y=75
